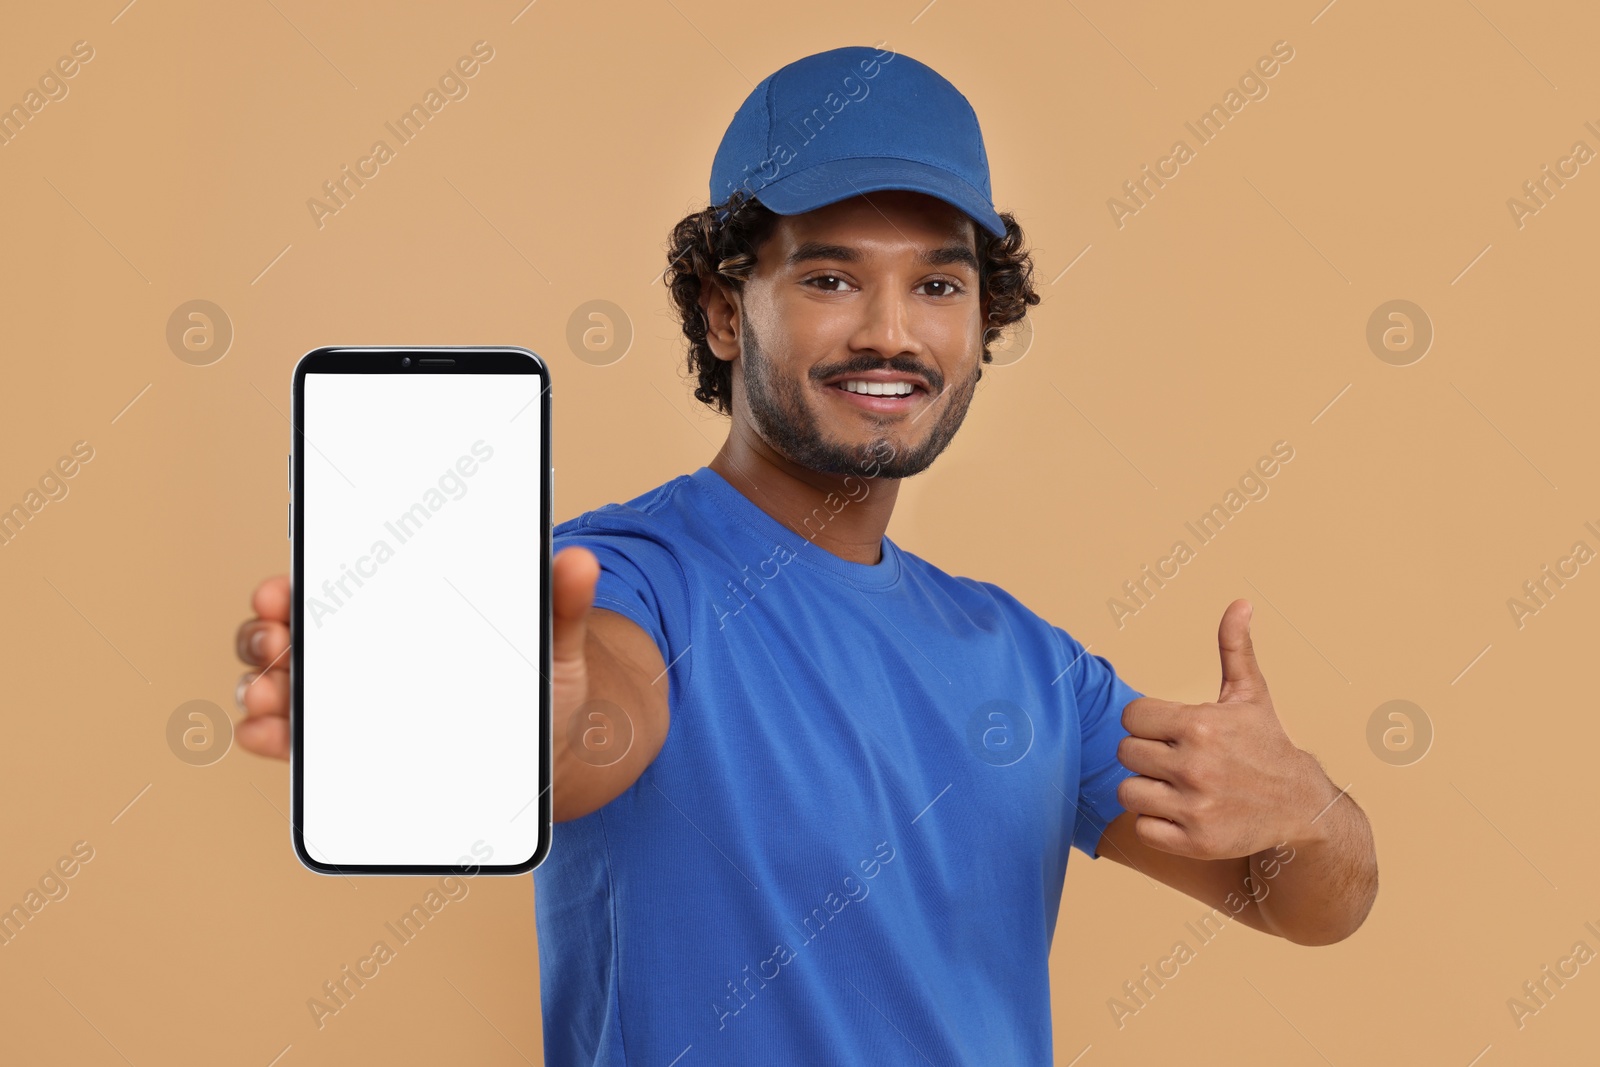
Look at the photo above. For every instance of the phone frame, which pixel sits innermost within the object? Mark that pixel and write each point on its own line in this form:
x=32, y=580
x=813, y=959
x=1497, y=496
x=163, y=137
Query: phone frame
x=384, y=359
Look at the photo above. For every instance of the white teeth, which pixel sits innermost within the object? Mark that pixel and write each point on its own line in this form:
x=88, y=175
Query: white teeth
x=878, y=388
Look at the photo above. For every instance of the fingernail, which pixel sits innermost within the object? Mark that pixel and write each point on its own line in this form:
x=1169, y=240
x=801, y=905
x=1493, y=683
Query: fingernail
x=238, y=690
x=256, y=640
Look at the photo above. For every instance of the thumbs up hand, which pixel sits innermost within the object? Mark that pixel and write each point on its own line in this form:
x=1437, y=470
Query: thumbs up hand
x=1219, y=780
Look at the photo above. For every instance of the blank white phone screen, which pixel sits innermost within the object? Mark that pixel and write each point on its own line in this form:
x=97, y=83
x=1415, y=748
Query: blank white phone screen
x=421, y=634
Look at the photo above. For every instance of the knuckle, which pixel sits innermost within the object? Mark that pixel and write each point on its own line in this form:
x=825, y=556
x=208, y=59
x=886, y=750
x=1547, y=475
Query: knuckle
x=1125, y=789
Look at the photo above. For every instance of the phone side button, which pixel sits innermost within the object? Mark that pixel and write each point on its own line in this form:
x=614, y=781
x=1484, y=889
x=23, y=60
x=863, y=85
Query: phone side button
x=289, y=531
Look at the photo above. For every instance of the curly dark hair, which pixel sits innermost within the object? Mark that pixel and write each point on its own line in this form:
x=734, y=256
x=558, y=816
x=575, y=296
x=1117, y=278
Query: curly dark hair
x=705, y=245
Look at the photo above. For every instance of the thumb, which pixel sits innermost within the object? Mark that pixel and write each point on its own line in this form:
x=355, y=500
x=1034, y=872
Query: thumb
x=1241, y=674
x=573, y=574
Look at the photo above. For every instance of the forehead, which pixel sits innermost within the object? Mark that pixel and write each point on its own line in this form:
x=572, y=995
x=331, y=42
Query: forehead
x=893, y=222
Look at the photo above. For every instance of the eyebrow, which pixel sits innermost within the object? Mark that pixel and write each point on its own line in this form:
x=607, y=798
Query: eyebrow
x=935, y=257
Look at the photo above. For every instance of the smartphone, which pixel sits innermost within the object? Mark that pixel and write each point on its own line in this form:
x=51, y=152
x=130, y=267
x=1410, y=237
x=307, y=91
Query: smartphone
x=419, y=663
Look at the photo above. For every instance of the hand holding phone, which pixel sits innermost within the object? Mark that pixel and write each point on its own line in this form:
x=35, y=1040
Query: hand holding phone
x=419, y=611
x=599, y=660
x=595, y=653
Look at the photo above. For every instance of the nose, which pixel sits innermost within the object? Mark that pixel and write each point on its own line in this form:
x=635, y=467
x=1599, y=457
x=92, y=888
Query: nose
x=888, y=325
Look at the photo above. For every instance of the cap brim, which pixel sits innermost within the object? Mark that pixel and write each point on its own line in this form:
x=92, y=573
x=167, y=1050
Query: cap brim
x=829, y=182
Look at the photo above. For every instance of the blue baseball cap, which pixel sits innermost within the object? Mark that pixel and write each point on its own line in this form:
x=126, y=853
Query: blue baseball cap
x=855, y=120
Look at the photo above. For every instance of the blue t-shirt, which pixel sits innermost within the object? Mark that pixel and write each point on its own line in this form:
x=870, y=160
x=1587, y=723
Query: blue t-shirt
x=852, y=845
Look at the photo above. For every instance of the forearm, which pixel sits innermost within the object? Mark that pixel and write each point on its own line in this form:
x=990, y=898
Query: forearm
x=621, y=710
x=1323, y=891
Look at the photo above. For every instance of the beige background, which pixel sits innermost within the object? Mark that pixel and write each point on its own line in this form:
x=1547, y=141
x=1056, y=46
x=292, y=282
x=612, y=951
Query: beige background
x=1227, y=314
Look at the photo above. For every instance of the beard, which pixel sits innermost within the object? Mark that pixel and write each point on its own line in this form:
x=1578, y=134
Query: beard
x=781, y=415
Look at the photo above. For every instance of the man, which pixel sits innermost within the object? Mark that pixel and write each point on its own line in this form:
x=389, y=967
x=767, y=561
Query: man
x=850, y=844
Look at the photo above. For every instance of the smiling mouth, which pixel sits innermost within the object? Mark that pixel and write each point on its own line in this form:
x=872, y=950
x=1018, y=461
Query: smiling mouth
x=897, y=389
x=880, y=402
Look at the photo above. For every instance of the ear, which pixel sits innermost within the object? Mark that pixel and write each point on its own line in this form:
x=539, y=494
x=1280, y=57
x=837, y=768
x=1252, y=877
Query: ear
x=724, y=313
x=983, y=326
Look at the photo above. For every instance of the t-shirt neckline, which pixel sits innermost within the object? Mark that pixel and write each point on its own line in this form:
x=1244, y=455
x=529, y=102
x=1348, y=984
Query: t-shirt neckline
x=744, y=511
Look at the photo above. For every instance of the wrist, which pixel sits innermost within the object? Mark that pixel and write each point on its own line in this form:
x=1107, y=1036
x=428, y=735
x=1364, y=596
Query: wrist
x=1318, y=810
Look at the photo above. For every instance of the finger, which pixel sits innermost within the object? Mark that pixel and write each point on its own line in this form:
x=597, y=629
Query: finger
x=573, y=574
x=1150, y=796
x=261, y=693
x=261, y=643
x=1164, y=834
x=266, y=735
x=1241, y=674
x=1156, y=719
x=271, y=599
x=1153, y=759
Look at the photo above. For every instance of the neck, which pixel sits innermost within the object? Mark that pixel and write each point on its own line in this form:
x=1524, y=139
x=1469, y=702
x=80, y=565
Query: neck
x=845, y=514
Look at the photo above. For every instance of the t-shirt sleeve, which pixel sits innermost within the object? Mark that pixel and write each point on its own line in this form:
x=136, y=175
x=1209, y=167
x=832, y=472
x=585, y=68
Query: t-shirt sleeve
x=1101, y=695
x=640, y=578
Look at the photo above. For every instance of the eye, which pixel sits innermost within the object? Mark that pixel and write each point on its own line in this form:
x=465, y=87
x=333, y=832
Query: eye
x=824, y=278
x=951, y=288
